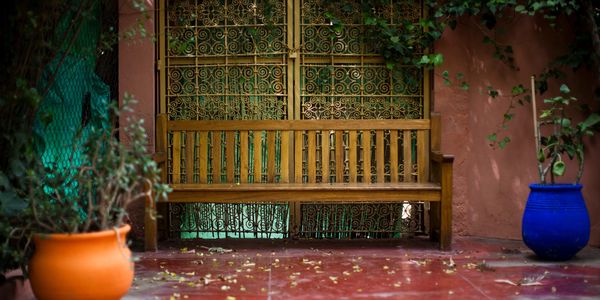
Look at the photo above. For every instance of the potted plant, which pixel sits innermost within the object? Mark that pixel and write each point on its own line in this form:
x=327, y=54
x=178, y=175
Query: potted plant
x=76, y=217
x=556, y=223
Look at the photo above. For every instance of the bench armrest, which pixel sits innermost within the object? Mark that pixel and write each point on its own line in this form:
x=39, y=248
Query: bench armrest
x=439, y=157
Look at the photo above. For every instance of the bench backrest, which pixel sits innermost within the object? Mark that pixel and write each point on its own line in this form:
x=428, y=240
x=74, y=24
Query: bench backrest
x=270, y=151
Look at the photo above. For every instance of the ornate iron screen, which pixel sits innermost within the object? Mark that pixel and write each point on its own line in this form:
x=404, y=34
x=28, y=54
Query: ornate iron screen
x=281, y=59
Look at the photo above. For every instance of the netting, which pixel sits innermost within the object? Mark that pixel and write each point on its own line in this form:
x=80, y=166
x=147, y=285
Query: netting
x=77, y=98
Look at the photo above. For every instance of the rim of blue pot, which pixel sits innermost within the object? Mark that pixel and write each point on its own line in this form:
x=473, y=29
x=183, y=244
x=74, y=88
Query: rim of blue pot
x=556, y=186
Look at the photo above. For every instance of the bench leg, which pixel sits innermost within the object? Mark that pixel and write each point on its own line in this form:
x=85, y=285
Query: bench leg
x=150, y=243
x=446, y=207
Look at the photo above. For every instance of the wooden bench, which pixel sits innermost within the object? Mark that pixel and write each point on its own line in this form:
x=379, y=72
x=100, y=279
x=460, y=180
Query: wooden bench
x=215, y=161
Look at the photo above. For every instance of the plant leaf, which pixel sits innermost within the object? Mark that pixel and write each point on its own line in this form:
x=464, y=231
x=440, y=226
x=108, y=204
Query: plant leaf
x=591, y=121
x=558, y=168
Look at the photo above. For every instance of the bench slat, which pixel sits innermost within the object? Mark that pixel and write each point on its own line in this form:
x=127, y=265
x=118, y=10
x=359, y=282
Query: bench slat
x=257, y=138
x=216, y=156
x=285, y=157
x=234, y=125
x=312, y=156
x=339, y=156
x=189, y=156
x=230, y=155
x=271, y=156
x=244, y=156
x=407, y=157
x=325, y=152
x=366, y=146
x=352, y=152
x=203, y=158
x=422, y=157
x=393, y=156
x=298, y=157
x=379, y=156
x=176, y=157
x=345, y=192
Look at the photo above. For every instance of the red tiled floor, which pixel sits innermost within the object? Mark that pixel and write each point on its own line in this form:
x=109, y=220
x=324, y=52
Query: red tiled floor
x=259, y=269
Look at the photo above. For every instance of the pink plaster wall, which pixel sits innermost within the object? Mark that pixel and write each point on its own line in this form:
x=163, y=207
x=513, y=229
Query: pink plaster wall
x=137, y=77
x=491, y=186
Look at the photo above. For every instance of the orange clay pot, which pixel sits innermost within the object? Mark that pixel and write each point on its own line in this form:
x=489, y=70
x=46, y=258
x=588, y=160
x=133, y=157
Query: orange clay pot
x=93, y=265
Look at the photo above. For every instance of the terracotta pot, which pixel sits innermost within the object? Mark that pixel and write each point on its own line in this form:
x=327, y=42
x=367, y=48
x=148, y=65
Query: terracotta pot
x=93, y=265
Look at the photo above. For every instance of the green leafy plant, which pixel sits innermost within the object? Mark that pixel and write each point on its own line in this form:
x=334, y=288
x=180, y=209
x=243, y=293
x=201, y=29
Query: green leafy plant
x=90, y=196
x=558, y=137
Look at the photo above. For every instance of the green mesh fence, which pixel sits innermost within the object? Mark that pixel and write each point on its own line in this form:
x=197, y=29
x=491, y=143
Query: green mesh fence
x=77, y=99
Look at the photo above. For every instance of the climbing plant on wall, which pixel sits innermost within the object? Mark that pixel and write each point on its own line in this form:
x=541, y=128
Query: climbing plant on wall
x=400, y=45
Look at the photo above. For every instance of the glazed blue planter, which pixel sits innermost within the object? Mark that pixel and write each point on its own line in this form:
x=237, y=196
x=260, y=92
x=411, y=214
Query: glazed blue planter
x=556, y=224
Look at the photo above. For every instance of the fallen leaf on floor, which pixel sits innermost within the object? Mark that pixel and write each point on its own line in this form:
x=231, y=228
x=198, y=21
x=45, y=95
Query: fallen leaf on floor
x=356, y=268
x=225, y=288
x=419, y=263
x=397, y=284
x=248, y=264
x=450, y=266
x=525, y=281
x=449, y=271
x=219, y=250
x=310, y=262
x=190, y=273
x=333, y=279
x=230, y=298
x=185, y=250
x=346, y=273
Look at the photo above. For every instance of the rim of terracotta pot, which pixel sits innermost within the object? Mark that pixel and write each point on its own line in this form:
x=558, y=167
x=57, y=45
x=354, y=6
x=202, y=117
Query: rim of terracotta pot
x=84, y=235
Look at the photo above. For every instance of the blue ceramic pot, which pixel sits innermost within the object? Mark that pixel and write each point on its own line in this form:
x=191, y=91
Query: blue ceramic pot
x=556, y=224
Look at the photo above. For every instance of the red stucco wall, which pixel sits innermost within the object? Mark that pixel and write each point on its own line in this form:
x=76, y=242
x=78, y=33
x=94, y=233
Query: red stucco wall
x=491, y=186
x=137, y=77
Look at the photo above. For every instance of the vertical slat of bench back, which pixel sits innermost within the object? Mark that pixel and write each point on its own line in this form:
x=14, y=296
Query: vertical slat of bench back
x=216, y=156
x=339, y=156
x=285, y=157
x=257, y=141
x=379, y=155
x=325, y=152
x=352, y=155
x=366, y=147
x=190, y=145
x=298, y=155
x=230, y=155
x=244, y=154
x=271, y=156
x=407, y=156
x=422, y=156
x=203, y=157
x=176, y=161
x=394, y=155
x=312, y=156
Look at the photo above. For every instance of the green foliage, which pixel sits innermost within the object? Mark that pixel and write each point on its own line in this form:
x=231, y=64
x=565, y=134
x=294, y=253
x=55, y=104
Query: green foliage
x=33, y=198
x=563, y=138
